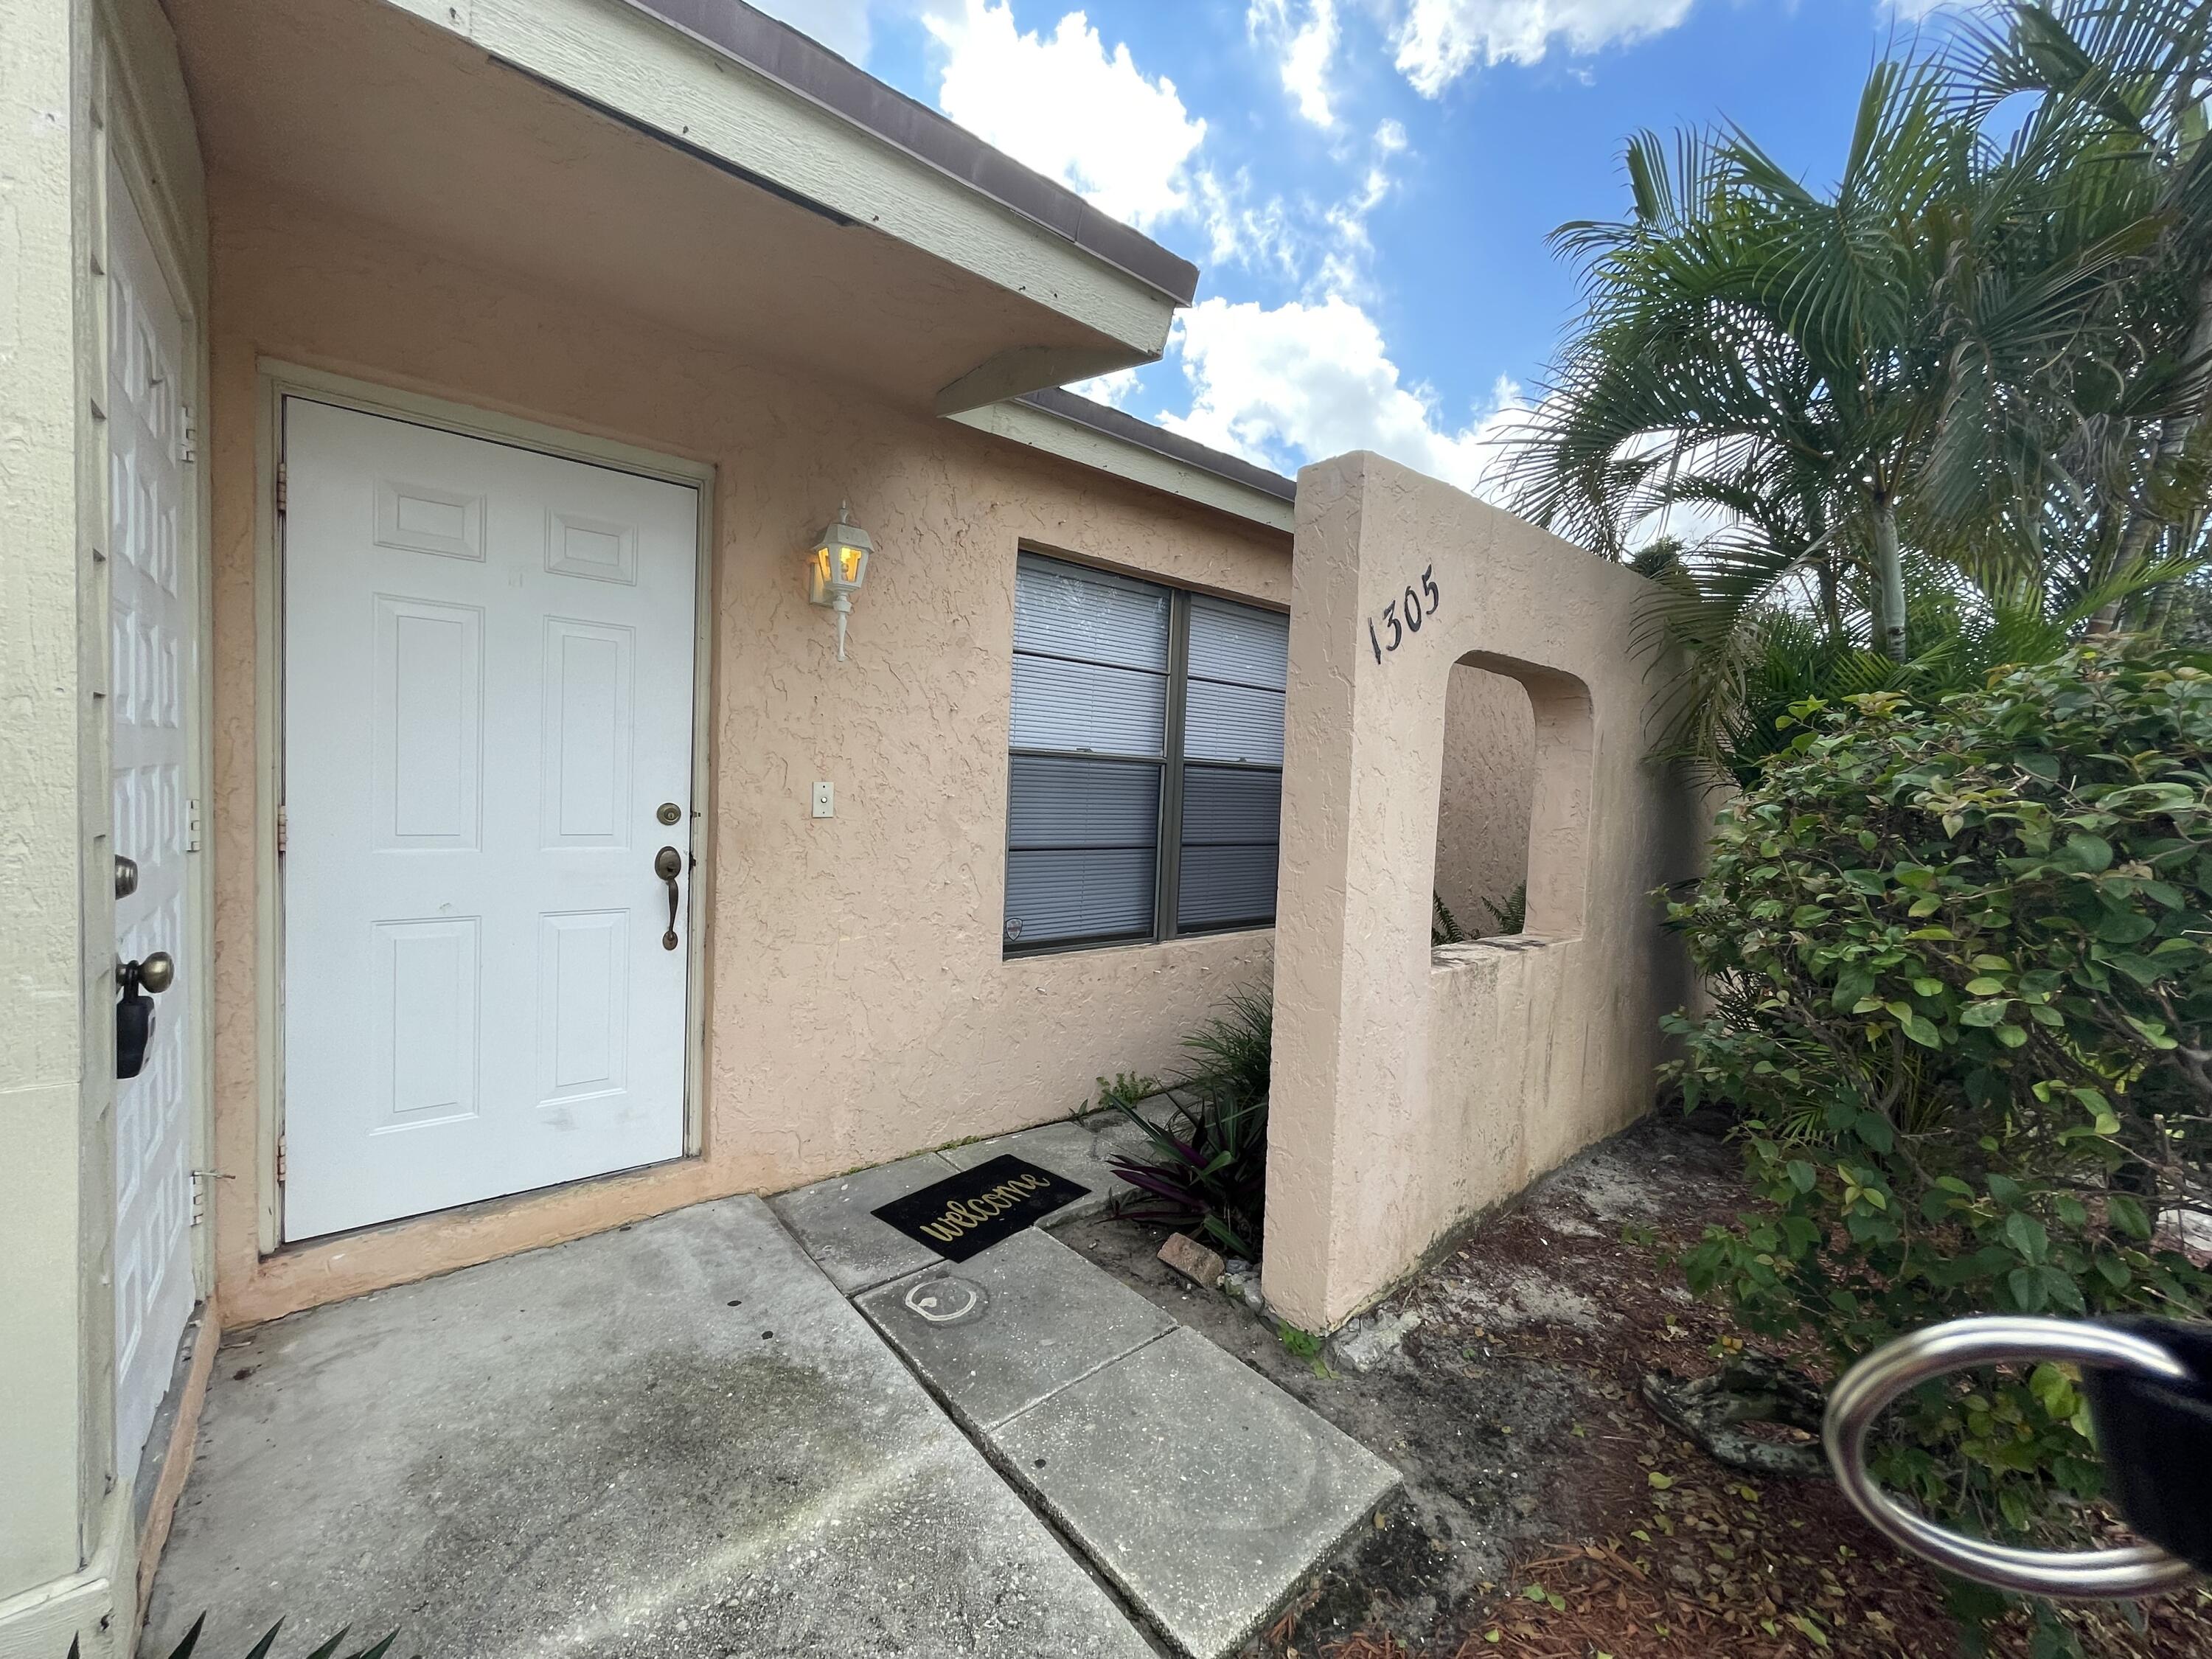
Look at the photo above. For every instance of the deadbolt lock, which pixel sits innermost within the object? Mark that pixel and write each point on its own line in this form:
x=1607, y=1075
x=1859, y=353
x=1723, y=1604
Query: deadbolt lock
x=669, y=812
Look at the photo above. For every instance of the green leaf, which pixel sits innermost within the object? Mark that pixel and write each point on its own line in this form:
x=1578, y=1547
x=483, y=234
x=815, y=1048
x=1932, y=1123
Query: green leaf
x=2089, y=853
x=2059, y=1285
x=2026, y=1236
x=2125, y=927
x=1801, y=1175
x=2128, y=1215
x=1984, y=1014
x=1918, y=1027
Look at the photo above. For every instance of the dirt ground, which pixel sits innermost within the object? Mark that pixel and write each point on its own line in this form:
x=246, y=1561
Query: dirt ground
x=1547, y=1510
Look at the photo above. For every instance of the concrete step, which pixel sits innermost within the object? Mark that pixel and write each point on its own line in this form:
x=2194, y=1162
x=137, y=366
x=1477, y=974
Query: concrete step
x=1198, y=1488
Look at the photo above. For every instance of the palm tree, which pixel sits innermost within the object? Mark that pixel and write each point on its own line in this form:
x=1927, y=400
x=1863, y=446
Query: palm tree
x=2134, y=74
x=1961, y=360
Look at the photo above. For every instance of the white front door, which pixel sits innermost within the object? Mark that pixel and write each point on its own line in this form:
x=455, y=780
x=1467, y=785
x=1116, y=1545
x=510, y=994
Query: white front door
x=153, y=644
x=488, y=698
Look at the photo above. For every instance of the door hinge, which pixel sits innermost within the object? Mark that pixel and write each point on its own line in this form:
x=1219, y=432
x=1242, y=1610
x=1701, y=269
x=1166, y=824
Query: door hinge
x=188, y=446
x=280, y=1159
x=280, y=489
x=192, y=826
x=280, y=832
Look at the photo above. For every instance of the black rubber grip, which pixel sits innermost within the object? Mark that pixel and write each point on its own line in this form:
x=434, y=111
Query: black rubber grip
x=2156, y=1440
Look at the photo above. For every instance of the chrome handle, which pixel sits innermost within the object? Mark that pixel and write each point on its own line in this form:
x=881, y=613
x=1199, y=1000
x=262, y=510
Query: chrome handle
x=154, y=976
x=668, y=864
x=126, y=876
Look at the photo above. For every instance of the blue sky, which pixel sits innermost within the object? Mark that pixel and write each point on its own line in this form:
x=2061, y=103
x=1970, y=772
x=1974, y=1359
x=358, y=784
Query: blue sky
x=1367, y=184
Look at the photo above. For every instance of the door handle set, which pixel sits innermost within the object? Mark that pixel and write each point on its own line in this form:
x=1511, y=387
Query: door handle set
x=668, y=864
x=134, y=1012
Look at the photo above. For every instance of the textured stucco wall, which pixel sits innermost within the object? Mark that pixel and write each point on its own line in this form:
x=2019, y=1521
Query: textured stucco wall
x=858, y=1004
x=1489, y=779
x=1412, y=1088
x=47, y=1308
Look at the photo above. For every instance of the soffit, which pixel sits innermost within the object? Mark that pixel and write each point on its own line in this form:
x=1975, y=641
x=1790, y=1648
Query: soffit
x=358, y=105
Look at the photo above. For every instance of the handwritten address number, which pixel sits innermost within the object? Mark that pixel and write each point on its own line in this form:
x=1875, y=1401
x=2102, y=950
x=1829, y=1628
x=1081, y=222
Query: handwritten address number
x=1399, y=624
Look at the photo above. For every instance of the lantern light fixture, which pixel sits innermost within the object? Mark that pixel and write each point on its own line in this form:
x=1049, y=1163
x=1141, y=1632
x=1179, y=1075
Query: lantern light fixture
x=837, y=567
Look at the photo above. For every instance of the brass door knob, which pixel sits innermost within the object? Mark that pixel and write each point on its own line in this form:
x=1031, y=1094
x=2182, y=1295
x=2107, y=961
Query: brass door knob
x=154, y=974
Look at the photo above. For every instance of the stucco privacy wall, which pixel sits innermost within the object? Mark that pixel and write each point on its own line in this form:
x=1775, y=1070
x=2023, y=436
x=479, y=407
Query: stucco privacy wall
x=858, y=1004
x=1412, y=1088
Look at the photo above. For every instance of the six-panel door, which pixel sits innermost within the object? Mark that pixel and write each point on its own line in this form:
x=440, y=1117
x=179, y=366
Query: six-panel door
x=488, y=702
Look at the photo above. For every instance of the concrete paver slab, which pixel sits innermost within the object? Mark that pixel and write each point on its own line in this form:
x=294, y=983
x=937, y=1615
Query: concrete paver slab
x=1199, y=1487
x=832, y=1220
x=675, y=1440
x=996, y=1334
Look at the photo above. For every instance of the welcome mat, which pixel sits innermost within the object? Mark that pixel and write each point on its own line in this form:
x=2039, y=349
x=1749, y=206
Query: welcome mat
x=976, y=1208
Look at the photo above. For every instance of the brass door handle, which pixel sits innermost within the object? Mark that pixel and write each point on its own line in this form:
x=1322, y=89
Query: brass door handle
x=668, y=864
x=154, y=976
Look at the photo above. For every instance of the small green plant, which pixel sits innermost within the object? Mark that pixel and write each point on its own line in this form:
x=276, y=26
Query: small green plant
x=261, y=1649
x=1209, y=1170
x=1961, y=962
x=1126, y=1089
x=1302, y=1345
x=1512, y=916
x=1443, y=927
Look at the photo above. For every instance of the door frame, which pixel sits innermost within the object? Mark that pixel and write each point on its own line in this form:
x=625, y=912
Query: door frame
x=277, y=379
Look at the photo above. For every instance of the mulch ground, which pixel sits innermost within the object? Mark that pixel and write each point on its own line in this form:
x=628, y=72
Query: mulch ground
x=1594, y=1529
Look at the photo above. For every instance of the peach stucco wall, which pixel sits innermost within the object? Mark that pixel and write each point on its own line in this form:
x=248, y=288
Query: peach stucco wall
x=1412, y=1088
x=858, y=1004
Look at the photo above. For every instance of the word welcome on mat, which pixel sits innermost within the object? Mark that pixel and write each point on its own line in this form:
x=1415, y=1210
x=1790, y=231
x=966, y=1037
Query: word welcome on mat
x=976, y=1208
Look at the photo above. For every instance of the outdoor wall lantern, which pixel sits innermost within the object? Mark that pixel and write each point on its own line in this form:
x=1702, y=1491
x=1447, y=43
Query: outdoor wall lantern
x=837, y=567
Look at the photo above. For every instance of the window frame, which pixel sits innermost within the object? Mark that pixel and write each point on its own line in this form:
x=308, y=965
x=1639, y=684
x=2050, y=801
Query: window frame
x=1167, y=863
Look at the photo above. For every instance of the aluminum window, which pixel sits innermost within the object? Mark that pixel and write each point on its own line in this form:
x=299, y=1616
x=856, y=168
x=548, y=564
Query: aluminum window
x=1145, y=780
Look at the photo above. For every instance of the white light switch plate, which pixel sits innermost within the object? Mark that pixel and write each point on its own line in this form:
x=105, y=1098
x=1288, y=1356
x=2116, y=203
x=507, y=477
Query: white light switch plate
x=825, y=800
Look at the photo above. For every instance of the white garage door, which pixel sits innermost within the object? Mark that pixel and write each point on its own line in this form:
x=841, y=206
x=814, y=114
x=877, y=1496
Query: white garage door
x=487, y=705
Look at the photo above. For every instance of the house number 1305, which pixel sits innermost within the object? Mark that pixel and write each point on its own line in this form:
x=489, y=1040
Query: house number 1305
x=1399, y=624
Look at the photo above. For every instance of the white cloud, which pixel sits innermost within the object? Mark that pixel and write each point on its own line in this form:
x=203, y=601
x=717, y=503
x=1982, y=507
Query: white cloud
x=1350, y=252
x=1063, y=103
x=1307, y=49
x=1114, y=388
x=1297, y=382
x=840, y=25
x=1241, y=229
x=1439, y=41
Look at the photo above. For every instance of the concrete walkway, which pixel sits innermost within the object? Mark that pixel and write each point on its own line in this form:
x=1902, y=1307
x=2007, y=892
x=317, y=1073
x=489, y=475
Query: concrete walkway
x=681, y=1438
x=1203, y=1491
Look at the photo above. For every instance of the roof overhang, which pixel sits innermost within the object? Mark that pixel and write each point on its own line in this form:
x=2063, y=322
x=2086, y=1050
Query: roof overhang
x=1106, y=440
x=728, y=86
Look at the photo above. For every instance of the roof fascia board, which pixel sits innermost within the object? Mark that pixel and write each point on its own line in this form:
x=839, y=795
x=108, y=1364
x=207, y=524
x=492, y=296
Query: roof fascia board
x=658, y=75
x=1087, y=447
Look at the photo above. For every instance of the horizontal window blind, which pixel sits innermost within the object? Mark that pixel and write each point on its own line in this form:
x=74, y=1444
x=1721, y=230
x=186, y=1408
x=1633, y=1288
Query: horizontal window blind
x=1103, y=664
x=1231, y=817
x=1089, y=737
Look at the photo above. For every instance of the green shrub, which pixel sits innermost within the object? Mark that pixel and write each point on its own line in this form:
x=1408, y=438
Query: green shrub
x=1208, y=1167
x=1961, y=960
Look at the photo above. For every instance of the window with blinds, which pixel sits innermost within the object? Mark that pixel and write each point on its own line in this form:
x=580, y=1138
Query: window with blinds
x=1145, y=776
